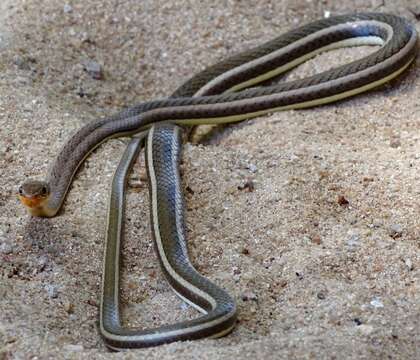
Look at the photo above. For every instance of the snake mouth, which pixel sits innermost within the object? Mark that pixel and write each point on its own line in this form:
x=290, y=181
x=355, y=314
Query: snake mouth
x=32, y=202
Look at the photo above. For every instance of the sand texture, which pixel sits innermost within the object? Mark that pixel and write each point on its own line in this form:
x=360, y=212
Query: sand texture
x=322, y=256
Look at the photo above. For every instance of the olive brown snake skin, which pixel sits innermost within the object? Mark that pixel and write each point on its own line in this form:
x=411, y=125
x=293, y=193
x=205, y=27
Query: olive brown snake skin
x=223, y=93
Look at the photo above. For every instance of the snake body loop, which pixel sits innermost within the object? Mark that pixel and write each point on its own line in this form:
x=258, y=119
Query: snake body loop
x=167, y=217
x=223, y=93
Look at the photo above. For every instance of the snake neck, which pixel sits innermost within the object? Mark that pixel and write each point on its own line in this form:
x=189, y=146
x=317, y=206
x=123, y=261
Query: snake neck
x=51, y=206
x=43, y=211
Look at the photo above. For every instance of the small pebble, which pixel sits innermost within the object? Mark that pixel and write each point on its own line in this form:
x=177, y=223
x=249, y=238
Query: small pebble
x=377, y=303
x=67, y=8
x=252, y=168
x=321, y=295
x=236, y=270
x=306, y=240
x=68, y=307
x=395, y=143
x=52, y=291
x=190, y=190
x=357, y=321
x=6, y=248
x=282, y=283
x=226, y=205
x=248, y=186
x=299, y=275
x=368, y=179
x=409, y=264
x=94, y=69
x=353, y=241
x=42, y=263
x=22, y=63
x=395, y=231
x=249, y=296
x=92, y=302
x=377, y=223
x=342, y=200
x=316, y=239
x=75, y=348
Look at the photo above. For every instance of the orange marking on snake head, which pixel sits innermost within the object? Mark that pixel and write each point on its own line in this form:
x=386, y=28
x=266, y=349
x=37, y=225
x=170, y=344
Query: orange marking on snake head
x=33, y=201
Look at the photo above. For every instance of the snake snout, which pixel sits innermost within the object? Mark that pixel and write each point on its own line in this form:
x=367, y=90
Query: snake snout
x=33, y=193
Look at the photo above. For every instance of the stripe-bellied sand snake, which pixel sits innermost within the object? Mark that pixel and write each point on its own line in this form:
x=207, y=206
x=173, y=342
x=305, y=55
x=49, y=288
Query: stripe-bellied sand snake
x=223, y=93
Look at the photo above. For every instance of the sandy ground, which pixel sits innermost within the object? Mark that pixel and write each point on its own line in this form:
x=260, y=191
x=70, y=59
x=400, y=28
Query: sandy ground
x=313, y=277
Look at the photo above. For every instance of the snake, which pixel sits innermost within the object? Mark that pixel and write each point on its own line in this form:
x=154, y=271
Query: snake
x=230, y=91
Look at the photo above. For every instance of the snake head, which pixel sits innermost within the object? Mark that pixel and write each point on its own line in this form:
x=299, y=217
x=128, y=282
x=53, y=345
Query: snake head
x=34, y=195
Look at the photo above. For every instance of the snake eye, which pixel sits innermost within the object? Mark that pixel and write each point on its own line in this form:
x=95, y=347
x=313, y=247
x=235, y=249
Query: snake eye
x=20, y=190
x=44, y=190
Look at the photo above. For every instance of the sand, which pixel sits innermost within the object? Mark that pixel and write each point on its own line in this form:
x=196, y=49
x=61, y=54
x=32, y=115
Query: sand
x=322, y=256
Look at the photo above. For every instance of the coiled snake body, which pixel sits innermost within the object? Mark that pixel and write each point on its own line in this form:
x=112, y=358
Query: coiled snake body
x=223, y=93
